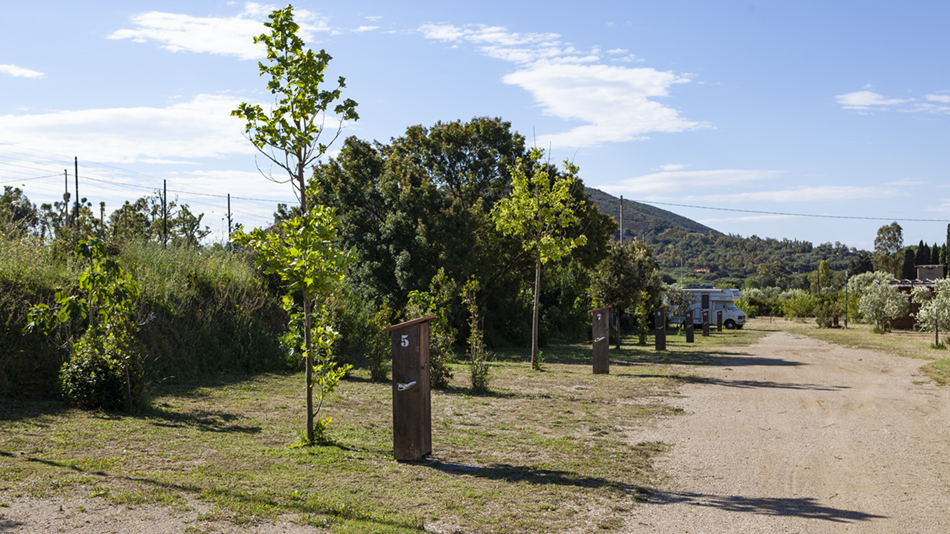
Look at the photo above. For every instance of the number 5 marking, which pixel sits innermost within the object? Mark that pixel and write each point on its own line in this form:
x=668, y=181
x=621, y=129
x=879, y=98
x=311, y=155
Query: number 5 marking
x=405, y=341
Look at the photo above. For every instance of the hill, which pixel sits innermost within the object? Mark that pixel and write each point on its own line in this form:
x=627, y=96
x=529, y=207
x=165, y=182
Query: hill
x=686, y=249
x=644, y=221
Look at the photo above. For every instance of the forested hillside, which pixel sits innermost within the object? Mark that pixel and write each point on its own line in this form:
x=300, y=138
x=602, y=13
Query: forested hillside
x=687, y=249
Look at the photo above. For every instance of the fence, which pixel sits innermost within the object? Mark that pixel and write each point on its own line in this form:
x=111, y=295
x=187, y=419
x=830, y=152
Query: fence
x=44, y=177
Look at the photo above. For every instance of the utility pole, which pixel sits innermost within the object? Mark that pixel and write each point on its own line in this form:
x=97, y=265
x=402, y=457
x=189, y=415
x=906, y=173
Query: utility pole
x=165, y=214
x=229, y=221
x=621, y=219
x=76, y=215
x=66, y=198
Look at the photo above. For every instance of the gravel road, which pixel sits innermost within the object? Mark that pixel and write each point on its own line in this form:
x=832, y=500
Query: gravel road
x=797, y=435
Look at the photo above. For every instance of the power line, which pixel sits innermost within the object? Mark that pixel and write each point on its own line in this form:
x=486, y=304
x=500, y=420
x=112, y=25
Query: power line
x=793, y=214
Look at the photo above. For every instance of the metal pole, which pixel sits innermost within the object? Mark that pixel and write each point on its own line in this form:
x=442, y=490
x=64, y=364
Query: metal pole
x=621, y=219
x=66, y=198
x=229, y=220
x=76, y=215
x=165, y=214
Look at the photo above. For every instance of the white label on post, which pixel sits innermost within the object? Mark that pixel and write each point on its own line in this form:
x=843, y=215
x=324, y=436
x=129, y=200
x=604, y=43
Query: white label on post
x=598, y=316
x=405, y=340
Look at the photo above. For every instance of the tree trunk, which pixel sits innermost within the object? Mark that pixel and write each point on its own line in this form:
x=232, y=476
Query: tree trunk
x=535, y=364
x=308, y=343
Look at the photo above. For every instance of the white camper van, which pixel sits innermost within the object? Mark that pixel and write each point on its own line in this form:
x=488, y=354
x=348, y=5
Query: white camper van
x=705, y=296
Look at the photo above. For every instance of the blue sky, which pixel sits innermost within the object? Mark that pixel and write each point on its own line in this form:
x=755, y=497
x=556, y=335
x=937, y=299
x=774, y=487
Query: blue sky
x=820, y=108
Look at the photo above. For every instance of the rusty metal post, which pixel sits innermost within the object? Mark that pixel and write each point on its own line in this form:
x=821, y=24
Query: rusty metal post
x=718, y=320
x=688, y=321
x=412, y=408
x=601, y=339
x=705, y=323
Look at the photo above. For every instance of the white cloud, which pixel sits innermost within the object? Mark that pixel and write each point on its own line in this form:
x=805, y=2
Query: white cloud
x=866, y=100
x=362, y=29
x=673, y=167
x=19, y=72
x=675, y=180
x=618, y=51
x=615, y=103
x=230, y=36
x=200, y=128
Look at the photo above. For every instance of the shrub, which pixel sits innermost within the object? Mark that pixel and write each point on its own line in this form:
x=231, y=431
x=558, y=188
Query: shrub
x=883, y=304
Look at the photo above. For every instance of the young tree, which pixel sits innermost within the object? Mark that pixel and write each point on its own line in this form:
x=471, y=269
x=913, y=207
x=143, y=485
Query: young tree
x=290, y=136
x=887, y=247
x=624, y=278
x=306, y=258
x=934, y=312
x=537, y=212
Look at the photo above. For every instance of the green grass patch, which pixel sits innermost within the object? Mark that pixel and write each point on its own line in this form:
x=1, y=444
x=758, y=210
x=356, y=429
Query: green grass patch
x=532, y=455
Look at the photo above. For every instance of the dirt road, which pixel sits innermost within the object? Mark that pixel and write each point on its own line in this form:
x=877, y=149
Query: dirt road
x=796, y=435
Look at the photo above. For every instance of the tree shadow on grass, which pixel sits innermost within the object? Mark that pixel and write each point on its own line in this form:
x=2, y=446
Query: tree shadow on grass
x=806, y=507
x=19, y=409
x=530, y=475
x=204, y=420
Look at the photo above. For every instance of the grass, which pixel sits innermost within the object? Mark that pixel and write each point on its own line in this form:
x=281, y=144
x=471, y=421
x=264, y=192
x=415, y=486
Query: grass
x=543, y=452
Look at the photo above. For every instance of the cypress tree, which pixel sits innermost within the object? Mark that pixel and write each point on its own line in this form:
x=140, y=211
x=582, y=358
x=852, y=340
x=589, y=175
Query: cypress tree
x=907, y=271
x=923, y=254
x=935, y=254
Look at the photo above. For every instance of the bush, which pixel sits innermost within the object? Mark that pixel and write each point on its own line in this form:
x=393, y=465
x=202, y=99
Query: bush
x=97, y=376
x=882, y=305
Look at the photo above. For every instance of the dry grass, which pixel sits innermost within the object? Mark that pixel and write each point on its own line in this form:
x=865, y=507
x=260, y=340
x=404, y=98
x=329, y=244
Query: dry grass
x=543, y=452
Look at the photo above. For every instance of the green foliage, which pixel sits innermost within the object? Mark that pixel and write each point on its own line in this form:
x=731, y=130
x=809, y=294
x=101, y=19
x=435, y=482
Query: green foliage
x=628, y=280
x=305, y=257
x=934, y=312
x=18, y=216
x=829, y=308
x=295, y=124
x=479, y=369
x=679, y=300
x=423, y=201
x=908, y=270
x=104, y=368
x=437, y=302
x=882, y=304
x=538, y=213
x=798, y=304
x=887, y=247
x=155, y=218
x=380, y=351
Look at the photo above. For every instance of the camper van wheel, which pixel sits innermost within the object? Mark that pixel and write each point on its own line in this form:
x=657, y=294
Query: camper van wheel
x=730, y=324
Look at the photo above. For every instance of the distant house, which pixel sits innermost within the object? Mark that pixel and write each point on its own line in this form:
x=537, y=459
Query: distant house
x=926, y=274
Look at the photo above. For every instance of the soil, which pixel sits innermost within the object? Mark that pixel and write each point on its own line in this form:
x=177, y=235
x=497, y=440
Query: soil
x=787, y=435
x=797, y=435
